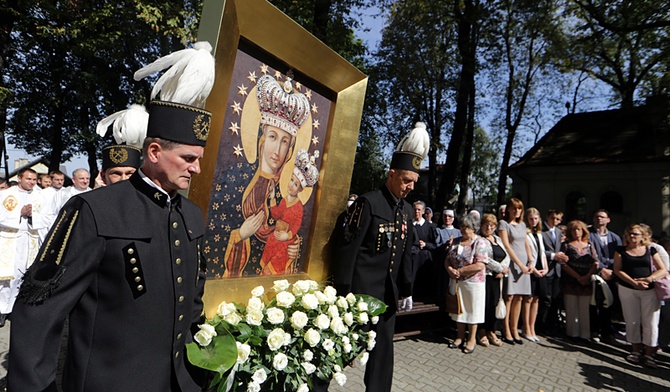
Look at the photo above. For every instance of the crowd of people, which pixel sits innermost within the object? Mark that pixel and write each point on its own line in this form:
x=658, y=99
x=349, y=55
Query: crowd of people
x=556, y=280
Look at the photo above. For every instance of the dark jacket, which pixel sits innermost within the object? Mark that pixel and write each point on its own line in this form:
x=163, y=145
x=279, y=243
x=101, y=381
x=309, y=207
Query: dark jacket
x=127, y=270
x=375, y=255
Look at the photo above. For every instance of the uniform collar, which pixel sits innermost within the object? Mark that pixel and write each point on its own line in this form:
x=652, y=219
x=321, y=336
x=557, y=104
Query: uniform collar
x=393, y=201
x=152, y=191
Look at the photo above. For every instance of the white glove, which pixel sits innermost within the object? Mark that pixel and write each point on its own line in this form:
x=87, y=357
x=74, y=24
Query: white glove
x=407, y=303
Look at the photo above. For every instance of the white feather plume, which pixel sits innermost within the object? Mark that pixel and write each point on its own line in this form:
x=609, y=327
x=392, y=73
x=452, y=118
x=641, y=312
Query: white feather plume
x=130, y=125
x=189, y=79
x=416, y=141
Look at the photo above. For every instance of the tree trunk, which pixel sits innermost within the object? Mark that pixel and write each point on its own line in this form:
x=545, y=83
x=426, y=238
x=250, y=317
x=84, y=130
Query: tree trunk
x=467, y=154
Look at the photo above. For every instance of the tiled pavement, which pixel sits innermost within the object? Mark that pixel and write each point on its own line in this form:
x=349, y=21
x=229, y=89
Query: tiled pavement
x=425, y=363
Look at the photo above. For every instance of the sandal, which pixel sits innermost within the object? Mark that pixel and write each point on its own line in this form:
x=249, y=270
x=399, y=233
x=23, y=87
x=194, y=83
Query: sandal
x=633, y=358
x=483, y=341
x=495, y=341
x=454, y=345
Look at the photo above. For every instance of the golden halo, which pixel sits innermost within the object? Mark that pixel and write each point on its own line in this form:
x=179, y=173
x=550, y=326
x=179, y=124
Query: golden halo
x=249, y=124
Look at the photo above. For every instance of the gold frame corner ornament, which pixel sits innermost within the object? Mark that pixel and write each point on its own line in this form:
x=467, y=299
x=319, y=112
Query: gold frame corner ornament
x=226, y=23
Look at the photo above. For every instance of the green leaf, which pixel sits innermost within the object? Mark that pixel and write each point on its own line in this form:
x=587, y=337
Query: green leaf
x=375, y=306
x=219, y=356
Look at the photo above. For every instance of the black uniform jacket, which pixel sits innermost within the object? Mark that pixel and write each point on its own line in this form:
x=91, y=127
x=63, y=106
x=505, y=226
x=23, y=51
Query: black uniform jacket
x=127, y=270
x=375, y=255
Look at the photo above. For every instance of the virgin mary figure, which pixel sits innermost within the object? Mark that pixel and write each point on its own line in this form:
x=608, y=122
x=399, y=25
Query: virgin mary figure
x=283, y=115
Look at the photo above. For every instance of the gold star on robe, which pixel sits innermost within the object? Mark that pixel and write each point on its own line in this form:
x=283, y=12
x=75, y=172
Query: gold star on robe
x=264, y=69
x=242, y=90
x=315, y=109
x=238, y=151
x=277, y=75
x=236, y=107
x=315, y=140
x=252, y=77
x=315, y=124
x=234, y=128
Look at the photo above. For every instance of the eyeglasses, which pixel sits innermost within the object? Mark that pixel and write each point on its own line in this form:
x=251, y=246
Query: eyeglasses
x=634, y=234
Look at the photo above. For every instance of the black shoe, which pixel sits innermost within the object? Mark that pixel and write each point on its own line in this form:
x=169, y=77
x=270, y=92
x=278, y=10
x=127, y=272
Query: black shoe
x=518, y=341
x=508, y=341
x=467, y=351
x=3, y=318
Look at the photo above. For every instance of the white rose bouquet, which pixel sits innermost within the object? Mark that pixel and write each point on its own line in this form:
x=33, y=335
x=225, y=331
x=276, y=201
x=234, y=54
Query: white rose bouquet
x=284, y=344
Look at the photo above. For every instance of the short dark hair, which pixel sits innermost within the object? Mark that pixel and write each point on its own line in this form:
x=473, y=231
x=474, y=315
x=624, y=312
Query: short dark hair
x=22, y=171
x=601, y=210
x=56, y=173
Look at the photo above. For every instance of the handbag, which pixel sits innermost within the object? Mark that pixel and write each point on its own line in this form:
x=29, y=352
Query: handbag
x=661, y=286
x=453, y=301
x=501, y=309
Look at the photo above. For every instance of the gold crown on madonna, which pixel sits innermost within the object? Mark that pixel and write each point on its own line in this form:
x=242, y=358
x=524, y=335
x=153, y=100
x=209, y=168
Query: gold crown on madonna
x=305, y=168
x=281, y=106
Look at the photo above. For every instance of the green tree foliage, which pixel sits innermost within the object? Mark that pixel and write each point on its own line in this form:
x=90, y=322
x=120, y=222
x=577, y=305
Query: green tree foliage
x=624, y=43
x=69, y=64
x=416, y=65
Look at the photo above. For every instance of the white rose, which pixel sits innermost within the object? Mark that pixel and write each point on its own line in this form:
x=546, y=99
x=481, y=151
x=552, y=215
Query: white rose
x=205, y=335
x=233, y=318
x=313, y=286
x=321, y=297
x=342, y=303
x=349, y=318
x=355, y=336
x=328, y=344
x=259, y=376
x=258, y=291
x=375, y=320
x=243, y=351
x=255, y=303
x=337, y=326
x=363, y=306
x=280, y=361
x=363, y=318
x=364, y=358
x=299, y=319
x=351, y=298
x=287, y=338
x=253, y=387
x=337, y=368
x=371, y=344
x=312, y=337
x=281, y=285
x=254, y=317
x=224, y=309
x=322, y=321
x=303, y=388
x=331, y=294
x=285, y=299
x=372, y=334
x=300, y=287
x=345, y=340
x=340, y=378
x=309, y=368
x=347, y=348
x=308, y=355
x=333, y=311
x=275, y=339
x=309, y=301
x=275, y=315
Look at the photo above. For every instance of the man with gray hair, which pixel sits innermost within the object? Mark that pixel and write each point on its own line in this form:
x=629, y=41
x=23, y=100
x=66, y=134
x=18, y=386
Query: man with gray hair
x=423, y=268
x=81, y=178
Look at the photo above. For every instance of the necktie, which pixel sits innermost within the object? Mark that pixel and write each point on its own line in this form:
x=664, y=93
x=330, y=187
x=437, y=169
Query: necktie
x=553, y=234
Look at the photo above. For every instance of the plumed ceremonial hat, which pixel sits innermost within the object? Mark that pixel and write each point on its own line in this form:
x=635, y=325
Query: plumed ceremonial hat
x=412, y=149
x=178, y=115
x=129, y=129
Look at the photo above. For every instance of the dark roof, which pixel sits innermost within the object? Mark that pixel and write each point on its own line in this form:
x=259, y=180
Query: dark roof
x=43, y=160
x=636, y=135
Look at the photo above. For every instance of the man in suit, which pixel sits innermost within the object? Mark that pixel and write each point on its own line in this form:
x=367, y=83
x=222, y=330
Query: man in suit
x=125, y=265
x=605, y=243
x=550, y=304
x=375, y=252
x=425, y=243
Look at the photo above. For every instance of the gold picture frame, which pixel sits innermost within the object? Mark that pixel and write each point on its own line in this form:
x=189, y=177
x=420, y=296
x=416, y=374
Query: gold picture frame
x=259, y=30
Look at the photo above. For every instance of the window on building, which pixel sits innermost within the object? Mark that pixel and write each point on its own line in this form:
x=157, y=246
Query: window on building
x=575, y=207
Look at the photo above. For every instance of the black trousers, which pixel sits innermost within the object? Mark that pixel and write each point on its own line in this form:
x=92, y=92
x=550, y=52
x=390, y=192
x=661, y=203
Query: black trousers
x=491, y=300
x=551, y=303
x=379, y=370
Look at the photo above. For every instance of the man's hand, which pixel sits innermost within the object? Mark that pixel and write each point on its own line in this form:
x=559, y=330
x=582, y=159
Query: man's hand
x=27, y=210
x=561, y=257
x=421, y=244
x=407, y=303
x=606, y=274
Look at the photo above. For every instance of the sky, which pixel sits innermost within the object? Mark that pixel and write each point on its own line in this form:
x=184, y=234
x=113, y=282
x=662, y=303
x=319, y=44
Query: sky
x=370, y=32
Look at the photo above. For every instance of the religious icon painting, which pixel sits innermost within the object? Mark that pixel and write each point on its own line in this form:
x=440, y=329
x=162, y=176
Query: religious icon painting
x=267, y=169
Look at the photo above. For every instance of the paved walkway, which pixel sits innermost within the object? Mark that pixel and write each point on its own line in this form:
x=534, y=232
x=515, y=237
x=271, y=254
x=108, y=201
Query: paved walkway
x=425, y=363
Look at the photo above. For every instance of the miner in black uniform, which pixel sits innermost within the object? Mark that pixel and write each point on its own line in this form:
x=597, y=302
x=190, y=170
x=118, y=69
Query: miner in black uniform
x=375, y=254
x=124, y=263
